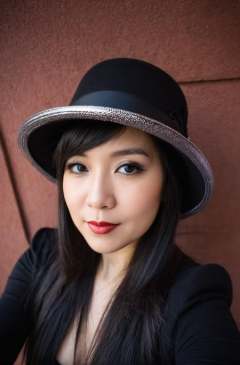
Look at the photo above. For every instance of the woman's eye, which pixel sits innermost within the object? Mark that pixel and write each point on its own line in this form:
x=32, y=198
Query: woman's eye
x=129, y=168
x=70, y=167
x=132, y=167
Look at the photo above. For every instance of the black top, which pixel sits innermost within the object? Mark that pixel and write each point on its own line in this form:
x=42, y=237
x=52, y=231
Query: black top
x=199, y=320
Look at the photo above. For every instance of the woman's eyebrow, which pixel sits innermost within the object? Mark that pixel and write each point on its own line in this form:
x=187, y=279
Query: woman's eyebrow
x=130, y=151
x=127, y=151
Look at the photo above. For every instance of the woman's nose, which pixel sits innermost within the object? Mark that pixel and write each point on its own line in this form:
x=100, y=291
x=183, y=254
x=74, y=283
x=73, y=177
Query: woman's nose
x=100, y=193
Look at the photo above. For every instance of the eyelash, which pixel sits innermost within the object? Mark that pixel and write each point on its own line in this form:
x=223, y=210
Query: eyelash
x=135, y=165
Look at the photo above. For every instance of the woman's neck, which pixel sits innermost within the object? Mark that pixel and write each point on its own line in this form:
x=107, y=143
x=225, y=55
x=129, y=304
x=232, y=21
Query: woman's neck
x=115, y=264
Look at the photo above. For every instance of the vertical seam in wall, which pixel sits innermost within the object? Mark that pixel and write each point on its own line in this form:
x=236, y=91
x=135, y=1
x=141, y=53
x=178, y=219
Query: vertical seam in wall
x=14, y=187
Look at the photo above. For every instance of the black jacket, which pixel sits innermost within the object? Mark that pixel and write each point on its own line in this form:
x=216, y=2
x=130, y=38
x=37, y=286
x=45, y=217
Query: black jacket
x=199, y=321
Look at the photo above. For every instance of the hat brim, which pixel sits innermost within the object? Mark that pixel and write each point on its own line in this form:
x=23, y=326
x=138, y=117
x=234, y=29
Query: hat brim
x=40, y=133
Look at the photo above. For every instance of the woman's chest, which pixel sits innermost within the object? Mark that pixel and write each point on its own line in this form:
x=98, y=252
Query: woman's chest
x=87, y=331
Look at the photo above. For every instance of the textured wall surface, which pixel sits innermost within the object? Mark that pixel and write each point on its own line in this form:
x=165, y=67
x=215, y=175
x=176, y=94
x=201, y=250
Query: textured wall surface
x=47, y=46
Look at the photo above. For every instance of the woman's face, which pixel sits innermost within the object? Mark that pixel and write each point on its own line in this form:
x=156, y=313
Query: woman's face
x=122, y=188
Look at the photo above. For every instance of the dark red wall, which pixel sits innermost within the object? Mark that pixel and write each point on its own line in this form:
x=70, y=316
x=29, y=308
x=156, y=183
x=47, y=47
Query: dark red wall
x=45, y=49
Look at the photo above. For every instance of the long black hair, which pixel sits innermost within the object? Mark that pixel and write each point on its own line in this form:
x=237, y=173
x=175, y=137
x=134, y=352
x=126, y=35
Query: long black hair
x=132, y=328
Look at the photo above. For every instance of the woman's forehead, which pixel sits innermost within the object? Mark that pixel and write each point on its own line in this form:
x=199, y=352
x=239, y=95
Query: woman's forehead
x=131, y=141
x=134, y=135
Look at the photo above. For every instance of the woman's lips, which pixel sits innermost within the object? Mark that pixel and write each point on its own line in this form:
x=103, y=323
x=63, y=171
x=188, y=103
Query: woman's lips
x=102, y=229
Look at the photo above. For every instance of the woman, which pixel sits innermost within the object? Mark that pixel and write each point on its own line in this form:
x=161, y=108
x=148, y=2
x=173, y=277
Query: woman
x=121, y=292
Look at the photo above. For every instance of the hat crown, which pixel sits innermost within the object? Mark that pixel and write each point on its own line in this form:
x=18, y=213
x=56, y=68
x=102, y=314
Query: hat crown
x=145, y=81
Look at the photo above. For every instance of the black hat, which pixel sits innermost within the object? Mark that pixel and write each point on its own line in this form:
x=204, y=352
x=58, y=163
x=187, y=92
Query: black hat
x=133, y=93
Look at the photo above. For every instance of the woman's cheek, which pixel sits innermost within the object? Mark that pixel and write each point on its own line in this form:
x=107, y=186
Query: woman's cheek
x=144, y=193
x=71, y=194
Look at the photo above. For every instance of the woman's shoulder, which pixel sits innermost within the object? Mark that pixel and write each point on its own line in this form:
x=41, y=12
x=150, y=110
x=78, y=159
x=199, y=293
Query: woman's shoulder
x=194, y=278
x=42, y=246
x=197, y=283
x=43, y=241
x=198, y=316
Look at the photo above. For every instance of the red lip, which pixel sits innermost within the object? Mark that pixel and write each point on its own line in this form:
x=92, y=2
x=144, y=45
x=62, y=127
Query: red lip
x=102, y=229
x=102, y=223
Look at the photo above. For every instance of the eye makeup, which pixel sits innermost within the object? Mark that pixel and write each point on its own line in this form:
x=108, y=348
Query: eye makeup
x=132, y=165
